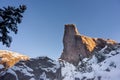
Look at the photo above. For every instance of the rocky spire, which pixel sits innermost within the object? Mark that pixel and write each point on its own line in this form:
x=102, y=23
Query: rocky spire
x=77, y=46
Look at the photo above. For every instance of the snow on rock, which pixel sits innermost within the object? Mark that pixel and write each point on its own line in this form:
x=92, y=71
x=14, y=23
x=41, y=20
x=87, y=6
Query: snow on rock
x=54, y=68
x=68, y=71
x=103, y=65
x=1, y=66
x=13, y=73
x=41, y=68
x=43, y=76
x=23, y=69
x=91, y=69
x=32, y=79
x=2, y=69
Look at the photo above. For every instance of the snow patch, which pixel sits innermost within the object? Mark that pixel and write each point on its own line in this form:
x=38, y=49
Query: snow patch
x=25, y=70
x=13, y=73
x=1, y=66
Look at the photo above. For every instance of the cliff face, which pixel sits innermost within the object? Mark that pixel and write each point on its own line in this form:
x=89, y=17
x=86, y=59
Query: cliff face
x=77, y=46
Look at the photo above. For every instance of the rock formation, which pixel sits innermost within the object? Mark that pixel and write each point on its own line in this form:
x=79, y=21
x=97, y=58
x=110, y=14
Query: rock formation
x=14, y=66
x=9, y=58
x=77, y=46
x=40, y=68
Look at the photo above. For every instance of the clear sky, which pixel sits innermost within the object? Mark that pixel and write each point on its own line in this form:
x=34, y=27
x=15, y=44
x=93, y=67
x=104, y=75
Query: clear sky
x=42, y=28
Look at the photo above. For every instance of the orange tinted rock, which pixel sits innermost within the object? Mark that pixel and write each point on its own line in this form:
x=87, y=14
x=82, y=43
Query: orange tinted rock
x=77, y=46
x=9, y=58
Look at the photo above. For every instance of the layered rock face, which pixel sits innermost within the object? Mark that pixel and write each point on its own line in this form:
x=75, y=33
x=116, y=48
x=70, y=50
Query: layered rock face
x=77, y=46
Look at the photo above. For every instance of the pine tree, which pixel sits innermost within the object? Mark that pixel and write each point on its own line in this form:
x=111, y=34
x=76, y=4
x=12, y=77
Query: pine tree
x=10, y=17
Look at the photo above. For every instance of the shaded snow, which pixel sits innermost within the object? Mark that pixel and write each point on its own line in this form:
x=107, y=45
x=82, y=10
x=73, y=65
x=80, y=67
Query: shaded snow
x=109, y=69
x=43, y=76
x=32, y=79
x=13, y=73
x=68, y=72
x=2, y=72
x=1, y=66
x=54, y=68
x=23, y=69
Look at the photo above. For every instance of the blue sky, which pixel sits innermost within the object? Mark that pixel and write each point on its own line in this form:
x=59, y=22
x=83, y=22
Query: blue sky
x=42, y=28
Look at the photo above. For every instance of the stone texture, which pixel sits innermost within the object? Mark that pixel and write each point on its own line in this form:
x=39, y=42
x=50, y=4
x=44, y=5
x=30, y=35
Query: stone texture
x=77, y=46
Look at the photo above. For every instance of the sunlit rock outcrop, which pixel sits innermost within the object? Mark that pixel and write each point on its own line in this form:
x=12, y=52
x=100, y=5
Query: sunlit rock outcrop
x=9, y=58
x=77, y=46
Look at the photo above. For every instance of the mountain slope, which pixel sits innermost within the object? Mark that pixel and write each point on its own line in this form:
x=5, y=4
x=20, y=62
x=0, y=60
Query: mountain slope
x=103, y=65
x=83, y=58
x=33, y=69
x=9, y=59
x=108, y=68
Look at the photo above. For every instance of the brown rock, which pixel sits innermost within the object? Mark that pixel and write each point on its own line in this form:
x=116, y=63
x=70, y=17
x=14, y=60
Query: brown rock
x=77, y=46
